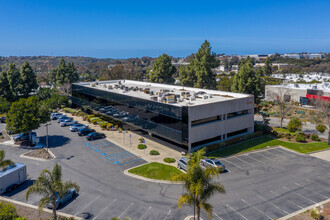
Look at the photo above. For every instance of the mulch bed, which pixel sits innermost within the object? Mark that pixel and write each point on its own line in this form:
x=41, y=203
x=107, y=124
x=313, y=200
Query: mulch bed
x=307, y=215
x=40, y=153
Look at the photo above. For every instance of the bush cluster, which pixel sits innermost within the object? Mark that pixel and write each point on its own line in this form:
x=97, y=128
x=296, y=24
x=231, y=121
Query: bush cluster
x=69, y=110
x=301, y=137
x=7, y=211
x=169, y=160
x=315, y=137
x=154, y=152
x=321, y=128
x=142, y=146
x=294, y=125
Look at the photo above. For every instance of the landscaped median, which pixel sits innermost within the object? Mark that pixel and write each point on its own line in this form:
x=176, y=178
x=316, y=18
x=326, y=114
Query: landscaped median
x=156, y=171
x=265, y=141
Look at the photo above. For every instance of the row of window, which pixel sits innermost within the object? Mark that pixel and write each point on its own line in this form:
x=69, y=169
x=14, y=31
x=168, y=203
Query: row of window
x=218, y=118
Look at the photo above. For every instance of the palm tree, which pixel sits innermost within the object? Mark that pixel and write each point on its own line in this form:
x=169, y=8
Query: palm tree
x=49, y=185
x=199, y=185
x=4, y=164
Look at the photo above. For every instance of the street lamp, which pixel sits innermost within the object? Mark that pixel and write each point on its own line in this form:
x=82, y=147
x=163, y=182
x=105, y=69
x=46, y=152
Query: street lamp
x=46, y=124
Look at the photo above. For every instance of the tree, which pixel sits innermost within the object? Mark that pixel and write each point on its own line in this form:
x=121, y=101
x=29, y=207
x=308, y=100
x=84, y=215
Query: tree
x=187, y=76
x=64, y=74
x=163, y=70
x=323, y=106
x=50, y=185
x=225, y=82
x=294, y=125
x=7, y=211
x=268, y=67
x=247, y=81
x=14, y=81
x=4, y=164
x=198, y=184
x=4, y=105
x=204, y=61
x=28, y=80
x=26, y=115
x=5, y=90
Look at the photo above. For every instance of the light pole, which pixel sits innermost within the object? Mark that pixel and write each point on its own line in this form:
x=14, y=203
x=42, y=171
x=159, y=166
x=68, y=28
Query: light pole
x=46, y=124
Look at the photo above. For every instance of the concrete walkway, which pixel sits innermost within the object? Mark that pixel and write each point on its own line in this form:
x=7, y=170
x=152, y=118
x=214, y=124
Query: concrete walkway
x=123, y=140
x=324, y=155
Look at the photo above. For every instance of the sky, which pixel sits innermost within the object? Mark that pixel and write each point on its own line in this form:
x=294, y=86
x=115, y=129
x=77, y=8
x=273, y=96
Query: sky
x=125, y=29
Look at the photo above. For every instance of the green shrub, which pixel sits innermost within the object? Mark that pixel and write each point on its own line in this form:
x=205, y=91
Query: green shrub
x=301, y=137
x=154, y=152
x=315, y=214
x=89, y=117
x=315, y=137
x=169, y=160
x=109, y=126
x=69, y=110
x=287, y=135
x=142, y=146
x=321, y=128
x=7, y=211
x=103, y=125
x=294, y=125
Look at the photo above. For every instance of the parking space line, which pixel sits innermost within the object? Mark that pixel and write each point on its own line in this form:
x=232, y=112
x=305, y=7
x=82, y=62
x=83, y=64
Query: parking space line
x=119, y=155
x=287, y=199
x=282, y=151
x=87, y=205
x=273, y=204
x=121, y=152
x=300, y=195
x=266, y=157
x=119, y=164
x=310, y=190
x=145, y=213
x=255, y=159
x=167, y=214
x=217, y=216
x=126, y=209
x=233, y=164
x=236, y=212
x=104, y=209
x=244, y=161
x=256, y=209
x=116, y=158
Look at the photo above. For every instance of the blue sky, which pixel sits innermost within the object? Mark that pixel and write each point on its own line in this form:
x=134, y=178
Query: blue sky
x=123, y=29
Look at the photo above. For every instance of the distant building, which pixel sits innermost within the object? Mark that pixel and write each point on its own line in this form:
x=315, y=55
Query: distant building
x=276, y=66
x=234, y=68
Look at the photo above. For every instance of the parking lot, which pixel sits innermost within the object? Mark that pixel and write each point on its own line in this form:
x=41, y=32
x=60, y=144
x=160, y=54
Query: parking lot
x=266, y=184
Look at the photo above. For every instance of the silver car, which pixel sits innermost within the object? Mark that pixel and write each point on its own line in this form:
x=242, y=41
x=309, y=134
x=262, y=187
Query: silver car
x=182, y=163
x=61, y=200
x=212, y=162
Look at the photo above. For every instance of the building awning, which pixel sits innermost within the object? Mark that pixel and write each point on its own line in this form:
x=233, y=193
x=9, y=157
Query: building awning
x=310, y=96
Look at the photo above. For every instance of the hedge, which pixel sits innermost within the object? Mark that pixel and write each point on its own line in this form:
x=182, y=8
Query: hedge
x=169, y=160
x=69, y=110
x=154, y=152
x=142, y=146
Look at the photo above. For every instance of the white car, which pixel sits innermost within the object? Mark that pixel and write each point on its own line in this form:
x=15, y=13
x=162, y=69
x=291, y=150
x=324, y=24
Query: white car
x=77, y=127
x=67, y=123
x=213, y=163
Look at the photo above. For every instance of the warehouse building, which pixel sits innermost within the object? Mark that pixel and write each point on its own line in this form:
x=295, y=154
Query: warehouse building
x=189, y=117
x=304, y=94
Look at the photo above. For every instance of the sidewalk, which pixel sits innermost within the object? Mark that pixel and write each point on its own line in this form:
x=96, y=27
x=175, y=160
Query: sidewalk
x=123, y=140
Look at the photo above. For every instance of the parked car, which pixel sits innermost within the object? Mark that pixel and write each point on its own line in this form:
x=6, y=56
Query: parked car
x=68, y=122
x=63, y=118
x=213, y=163
x=24, y=136
x=3, y=119
x=85, y=131
x=55, y=116
x=94, y=136
x=182, y=163
x=61, y=200
x=77, y=127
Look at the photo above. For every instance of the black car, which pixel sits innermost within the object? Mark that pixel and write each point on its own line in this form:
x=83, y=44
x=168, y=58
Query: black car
x=3, y=119
x=94, y=136
x=85, y=131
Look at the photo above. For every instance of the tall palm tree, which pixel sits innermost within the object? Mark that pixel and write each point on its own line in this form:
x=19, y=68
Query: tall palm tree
x=49, y=185
x=199, y=185
x=4, y=164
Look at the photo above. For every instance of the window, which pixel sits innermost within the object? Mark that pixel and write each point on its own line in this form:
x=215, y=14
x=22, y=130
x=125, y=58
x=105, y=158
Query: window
x=206, y=120
x=237, y=132
x=235, y=114
x=217, y=138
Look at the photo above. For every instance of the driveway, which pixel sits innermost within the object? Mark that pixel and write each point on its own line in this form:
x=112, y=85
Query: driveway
x=261, y=185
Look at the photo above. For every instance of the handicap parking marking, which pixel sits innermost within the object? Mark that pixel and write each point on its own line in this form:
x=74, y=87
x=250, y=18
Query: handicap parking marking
x=129, y=155
x=103, y=154
x=97, y=150
x=121, y=152
x=116, y=162
x=128, y=162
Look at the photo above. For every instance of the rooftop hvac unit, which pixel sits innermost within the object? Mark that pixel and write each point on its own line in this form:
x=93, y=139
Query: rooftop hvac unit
x=314, y=87
x=192, y=99
x=109, y=86
x=296, y=85
x=205, y=97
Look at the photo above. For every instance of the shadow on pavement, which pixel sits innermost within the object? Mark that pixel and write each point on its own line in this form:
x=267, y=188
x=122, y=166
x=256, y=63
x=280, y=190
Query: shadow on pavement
x=20, y=188
x=55, y=140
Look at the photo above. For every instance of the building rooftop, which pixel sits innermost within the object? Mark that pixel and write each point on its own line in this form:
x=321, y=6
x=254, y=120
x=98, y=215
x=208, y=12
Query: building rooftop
x=325, y=87
x=170, y=94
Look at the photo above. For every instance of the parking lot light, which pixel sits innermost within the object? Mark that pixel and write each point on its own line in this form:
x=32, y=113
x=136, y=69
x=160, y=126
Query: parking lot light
x=46, y=124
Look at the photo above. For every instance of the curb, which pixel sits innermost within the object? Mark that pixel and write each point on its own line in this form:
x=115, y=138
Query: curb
x=35, y=158
x=148, y=179
x=304, y=209
x=36, y=207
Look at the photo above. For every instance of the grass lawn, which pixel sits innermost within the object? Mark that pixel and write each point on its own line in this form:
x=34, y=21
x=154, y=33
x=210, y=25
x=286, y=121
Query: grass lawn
x=263, y=142
x=283, y=130
x=156, y=171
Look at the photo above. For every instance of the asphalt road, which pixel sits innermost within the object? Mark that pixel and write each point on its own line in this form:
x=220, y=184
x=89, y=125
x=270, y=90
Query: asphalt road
x=308, y=127
x=262, y=185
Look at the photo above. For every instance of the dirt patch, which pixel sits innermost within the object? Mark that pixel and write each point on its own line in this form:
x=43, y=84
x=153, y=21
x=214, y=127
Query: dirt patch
x=30, y=213
x=324, y=210
x=39, y=153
